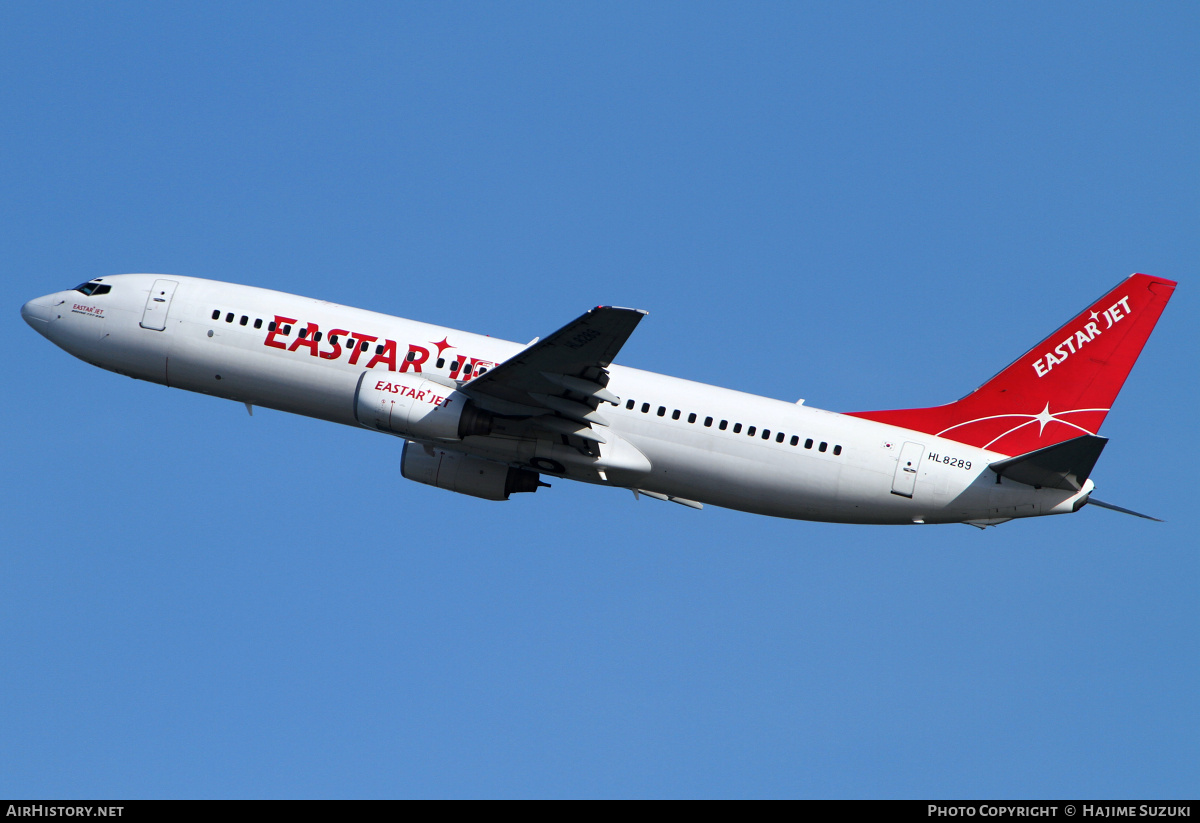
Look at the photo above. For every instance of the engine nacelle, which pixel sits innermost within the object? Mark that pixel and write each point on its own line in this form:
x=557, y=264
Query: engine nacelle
x=465, y=474
x=413, y=406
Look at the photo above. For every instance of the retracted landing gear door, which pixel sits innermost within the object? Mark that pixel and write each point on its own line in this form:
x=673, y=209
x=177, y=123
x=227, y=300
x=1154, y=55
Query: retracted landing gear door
x=157, y=305
x=905, y=480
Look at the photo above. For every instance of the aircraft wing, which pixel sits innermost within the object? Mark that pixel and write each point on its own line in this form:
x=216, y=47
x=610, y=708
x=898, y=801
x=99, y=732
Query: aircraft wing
x=562, y=377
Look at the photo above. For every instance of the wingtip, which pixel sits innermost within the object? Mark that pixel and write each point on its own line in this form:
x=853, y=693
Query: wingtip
x=620, y=308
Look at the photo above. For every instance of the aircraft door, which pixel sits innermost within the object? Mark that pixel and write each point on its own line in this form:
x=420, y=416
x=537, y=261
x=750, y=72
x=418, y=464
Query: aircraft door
x=158, y=304
x=905, y=479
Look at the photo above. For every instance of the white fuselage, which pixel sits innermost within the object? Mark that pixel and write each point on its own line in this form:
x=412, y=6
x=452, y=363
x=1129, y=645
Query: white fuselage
x=841, y=468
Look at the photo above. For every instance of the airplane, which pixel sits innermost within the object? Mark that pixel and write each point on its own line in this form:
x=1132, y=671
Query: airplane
x=489, y=418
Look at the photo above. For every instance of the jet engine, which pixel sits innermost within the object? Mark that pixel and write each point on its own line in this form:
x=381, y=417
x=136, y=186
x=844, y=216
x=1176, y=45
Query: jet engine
x=465, y=474
x=411, y=405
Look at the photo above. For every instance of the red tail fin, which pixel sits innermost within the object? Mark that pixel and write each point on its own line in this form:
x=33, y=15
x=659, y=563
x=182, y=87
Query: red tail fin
x=1061, y=388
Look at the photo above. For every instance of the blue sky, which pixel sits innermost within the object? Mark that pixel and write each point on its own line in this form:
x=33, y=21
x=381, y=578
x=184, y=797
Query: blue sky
x=865, y=205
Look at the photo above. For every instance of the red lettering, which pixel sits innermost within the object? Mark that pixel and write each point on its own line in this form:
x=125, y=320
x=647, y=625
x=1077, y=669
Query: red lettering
x=280, y=322
x=418, y=356
x=359, y=341
x=308, y=340
x=468, y=371
x=380, y=386
x=387, y=356
x=336, y=351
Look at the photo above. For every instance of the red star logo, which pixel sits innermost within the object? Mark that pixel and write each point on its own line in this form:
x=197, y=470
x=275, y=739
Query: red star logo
x=442, y=346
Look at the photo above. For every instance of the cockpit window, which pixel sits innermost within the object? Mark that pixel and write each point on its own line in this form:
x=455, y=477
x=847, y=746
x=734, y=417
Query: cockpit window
x=93, y=289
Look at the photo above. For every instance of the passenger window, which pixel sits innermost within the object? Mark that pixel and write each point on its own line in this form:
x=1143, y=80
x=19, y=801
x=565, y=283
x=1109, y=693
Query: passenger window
x=482, y=370
x=317, y=336
x=364, y=345
x=766, y=435
x=216, y=313
x=692, y=417
x=270, y=326
x=779, y=437
x=662, y=410
x=837, y=450
x=258, y=322
x=750, y=431
x=379, y=350
x=229, y=317
x=708, y=422
x=333, y=339
x=304, y=333
x=645, y=408
x=737, y=428
x=675, y=414
x=466, y=369
x=244, y=320
x=287, y=330
x=441, y=363
x=411, y=356
x=808, y=443
x=822, y=447
x=629, y=404
x=794, y=441
x=724, y=425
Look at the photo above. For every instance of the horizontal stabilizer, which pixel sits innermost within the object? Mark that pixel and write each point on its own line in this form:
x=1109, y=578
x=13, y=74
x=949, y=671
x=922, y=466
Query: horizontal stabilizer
x=1094, y=502
x=1064, y=465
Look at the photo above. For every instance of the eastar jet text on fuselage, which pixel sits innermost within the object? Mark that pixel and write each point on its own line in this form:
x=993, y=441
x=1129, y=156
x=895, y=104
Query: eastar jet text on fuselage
x=488, y=417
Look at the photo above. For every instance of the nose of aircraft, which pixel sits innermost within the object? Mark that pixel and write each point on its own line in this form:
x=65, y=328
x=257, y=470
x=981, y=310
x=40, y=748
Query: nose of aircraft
x=37, y=311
